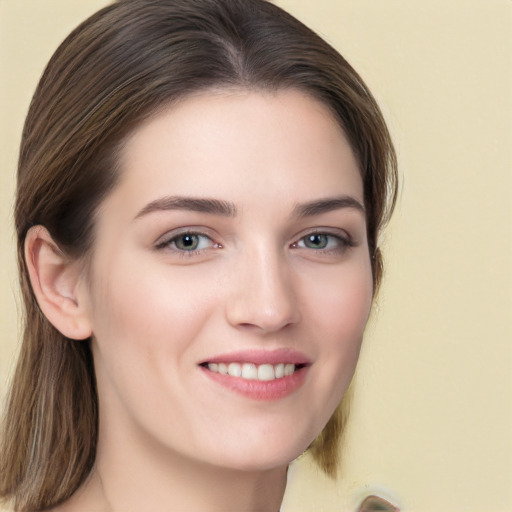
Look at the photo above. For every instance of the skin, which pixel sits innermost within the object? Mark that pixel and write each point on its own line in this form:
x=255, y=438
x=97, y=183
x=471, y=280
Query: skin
x=170, y=437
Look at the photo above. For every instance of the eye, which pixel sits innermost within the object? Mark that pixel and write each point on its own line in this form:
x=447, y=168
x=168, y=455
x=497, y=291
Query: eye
x=323, y=242
x=187, y=242
x=316, y=241
x=190, y=242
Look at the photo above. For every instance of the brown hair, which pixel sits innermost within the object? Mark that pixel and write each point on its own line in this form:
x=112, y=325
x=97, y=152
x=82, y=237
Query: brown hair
x=122, y=65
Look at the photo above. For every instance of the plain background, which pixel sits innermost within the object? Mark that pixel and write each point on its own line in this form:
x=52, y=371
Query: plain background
x=432, y=417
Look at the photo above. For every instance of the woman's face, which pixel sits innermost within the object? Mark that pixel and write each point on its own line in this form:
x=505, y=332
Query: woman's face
x=235, y=242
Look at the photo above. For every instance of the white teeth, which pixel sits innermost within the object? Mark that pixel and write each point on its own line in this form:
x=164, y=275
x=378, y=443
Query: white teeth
x=251, y=371
x=266, y=372
x=289, y=369
x=235, y=370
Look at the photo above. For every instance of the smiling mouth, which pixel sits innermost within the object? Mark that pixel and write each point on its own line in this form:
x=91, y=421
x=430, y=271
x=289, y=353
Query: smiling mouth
x=251, y=371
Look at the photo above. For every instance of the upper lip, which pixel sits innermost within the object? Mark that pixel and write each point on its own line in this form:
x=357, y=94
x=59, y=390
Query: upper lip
x=282, y=355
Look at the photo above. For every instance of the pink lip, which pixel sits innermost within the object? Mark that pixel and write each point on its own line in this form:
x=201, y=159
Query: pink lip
x=256, y=389
x=283, y=355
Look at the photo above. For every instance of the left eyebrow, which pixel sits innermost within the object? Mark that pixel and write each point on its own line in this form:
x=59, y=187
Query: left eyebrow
x=327, y=205
x=196, y=204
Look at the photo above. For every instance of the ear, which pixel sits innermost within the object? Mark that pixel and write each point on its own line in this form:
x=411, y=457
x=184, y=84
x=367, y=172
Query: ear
x=58, y=285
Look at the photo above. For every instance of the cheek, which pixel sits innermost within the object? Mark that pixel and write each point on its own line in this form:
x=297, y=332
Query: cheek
x=342, y=302
x=141, y=315
x=341, y=309
x=146, y=324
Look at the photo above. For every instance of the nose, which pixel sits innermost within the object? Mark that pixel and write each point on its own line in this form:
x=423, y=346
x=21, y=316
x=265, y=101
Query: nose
x=262, y=294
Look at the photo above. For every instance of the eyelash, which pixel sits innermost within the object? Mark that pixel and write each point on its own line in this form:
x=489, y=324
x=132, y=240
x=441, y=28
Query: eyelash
x=342, y=243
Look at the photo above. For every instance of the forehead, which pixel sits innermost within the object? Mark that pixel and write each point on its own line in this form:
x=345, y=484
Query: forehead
x=237, y=144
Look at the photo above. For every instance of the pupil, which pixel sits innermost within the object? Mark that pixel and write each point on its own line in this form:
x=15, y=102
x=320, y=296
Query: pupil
x=188, y=241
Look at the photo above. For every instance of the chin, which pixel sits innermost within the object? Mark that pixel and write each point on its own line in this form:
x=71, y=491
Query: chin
x=257, y=462
x=263, y=452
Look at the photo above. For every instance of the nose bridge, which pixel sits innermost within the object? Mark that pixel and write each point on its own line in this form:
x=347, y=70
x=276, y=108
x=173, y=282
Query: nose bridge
x=263, y=294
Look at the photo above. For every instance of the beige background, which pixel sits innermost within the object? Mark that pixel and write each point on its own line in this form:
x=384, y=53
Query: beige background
x=432, y=419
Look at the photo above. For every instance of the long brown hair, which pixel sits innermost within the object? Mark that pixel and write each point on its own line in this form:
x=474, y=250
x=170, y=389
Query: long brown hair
x=122, y=65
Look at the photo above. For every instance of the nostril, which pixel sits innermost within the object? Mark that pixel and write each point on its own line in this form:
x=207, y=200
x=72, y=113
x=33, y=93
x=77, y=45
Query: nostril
x=250, y=327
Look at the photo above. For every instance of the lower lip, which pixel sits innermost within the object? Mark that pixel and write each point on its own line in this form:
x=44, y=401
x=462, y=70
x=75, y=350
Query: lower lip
x=259, y=389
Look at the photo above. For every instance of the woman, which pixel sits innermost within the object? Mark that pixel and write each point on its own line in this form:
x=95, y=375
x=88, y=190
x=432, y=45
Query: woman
x=201, y=187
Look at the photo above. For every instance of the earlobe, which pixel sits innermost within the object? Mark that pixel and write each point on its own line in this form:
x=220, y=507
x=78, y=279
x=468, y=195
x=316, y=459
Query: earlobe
x=56, y=281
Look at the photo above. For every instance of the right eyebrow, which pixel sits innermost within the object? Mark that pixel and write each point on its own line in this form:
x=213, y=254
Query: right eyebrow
x=196, y=204
x=328, y=204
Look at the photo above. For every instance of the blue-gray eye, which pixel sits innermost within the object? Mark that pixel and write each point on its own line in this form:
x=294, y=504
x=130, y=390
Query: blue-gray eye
x=323, y=242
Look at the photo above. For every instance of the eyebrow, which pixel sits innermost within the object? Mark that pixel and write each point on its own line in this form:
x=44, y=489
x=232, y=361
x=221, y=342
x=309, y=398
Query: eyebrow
x=228, y=209
x=328, y=205
x=196, y=204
